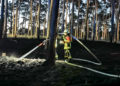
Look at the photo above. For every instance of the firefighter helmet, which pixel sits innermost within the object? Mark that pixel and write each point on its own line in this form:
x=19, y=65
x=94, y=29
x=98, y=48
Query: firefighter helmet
x=66, y=31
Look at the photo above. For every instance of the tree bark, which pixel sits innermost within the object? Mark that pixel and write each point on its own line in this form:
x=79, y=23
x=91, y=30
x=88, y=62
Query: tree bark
x=49, y=17
x=118, y=22
x=16, y=16
x=38, y=32
x=37, y=22
x=63, y=15
x=13, y=22
x=86, y=20
x=66, y=15
x=2, y=18
x=30, y=20
x=112, y=21
x=53, y=23
x=96, y=27
x=72, y=18
x=5, y=20
x=78, y=19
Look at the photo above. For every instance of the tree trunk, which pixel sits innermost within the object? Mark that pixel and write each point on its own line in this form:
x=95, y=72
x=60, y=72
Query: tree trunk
x=30, y=20
x=112, y=21
x=92, y=29
x=66, y=15
x=16, y=16
x=118, y=22
x=53, y=23
x=72, y=18
x=44, y=28
x=11, y=20
x=58, y=21
x=5, y=20
x=2, y=18
x=13, y=26
x=96, y=30
x=63, y=15
x=86, y=20
x=38, y=34
x=49, y=17
x=37, y=22
x=69, y=18
x=94, y=26
x=78, y=19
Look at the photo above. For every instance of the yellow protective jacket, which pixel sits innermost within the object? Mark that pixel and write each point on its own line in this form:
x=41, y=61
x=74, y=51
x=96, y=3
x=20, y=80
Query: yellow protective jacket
x=67, y=42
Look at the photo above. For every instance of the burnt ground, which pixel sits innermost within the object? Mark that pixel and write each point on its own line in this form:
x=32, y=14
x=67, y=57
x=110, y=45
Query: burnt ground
x=30, y=72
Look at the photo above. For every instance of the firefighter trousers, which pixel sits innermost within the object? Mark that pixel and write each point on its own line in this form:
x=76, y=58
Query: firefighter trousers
x=67, y=54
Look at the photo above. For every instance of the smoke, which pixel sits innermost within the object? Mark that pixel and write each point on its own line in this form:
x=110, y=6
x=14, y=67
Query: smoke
x=13, y=62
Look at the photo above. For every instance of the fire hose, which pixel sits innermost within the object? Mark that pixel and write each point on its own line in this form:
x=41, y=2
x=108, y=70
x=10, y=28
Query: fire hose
x=96, y=63
x=93, y=70
x=90, y=69
x=99, y=62
x=26, y=54
x=84, y=60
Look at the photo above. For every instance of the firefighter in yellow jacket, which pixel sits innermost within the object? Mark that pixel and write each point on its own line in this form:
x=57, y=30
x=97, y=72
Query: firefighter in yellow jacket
x=67, y=45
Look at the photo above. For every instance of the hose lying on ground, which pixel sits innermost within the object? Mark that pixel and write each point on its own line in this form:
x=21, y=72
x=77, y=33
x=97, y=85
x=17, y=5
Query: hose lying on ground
x=84, y=60
x=93, y=70
x=90, y=69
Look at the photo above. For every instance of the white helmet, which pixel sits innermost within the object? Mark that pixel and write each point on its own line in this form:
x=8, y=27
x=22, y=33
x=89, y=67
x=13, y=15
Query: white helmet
x=66, y=31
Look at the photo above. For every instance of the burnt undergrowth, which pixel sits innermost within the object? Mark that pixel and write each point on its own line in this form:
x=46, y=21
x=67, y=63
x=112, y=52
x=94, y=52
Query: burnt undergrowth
x=30, y=72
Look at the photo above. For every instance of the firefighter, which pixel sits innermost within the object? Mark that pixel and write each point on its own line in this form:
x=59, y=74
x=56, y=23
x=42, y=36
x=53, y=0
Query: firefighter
x=67, y=45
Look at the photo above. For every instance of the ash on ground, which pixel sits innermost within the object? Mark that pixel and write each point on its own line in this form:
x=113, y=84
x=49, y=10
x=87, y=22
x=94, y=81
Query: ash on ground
x=30, y=72
x=21, y=62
